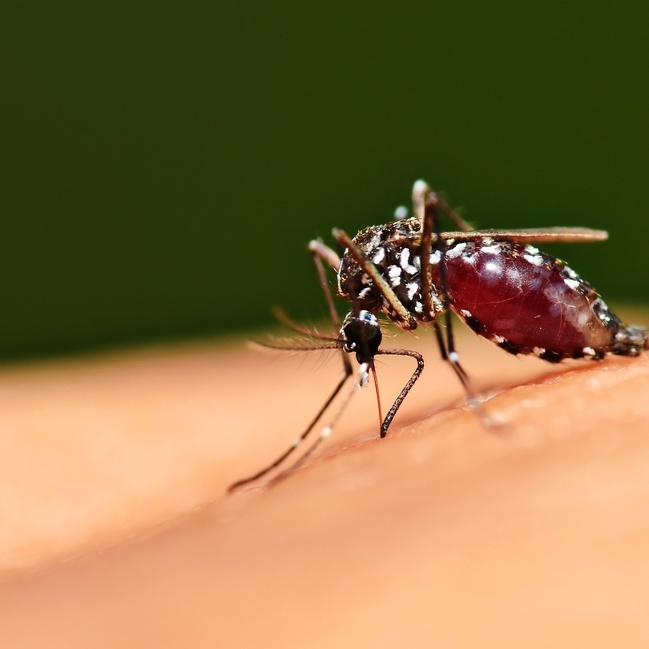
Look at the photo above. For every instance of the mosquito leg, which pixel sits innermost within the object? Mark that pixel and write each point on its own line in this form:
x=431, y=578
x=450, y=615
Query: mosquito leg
x=327, y=430
x=451, y=213
x=422, y=191
x=260, y=474
x=441, y=343
x=452, y=354
x=454, y=359
x=319, y=253
x=406, y=388
x=426, y=212
x=425, y=204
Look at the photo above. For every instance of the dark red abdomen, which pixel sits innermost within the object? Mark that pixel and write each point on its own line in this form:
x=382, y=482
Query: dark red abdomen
x=525, y=300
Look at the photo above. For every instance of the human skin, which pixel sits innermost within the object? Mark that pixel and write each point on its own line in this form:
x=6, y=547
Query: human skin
x=118, y=532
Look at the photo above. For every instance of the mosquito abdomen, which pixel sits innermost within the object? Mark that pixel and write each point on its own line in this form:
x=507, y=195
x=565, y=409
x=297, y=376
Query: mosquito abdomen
x=527, y=301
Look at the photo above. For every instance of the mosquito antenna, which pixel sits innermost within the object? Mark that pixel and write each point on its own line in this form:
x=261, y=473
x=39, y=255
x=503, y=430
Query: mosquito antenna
x=293, y=345
x=285, y=319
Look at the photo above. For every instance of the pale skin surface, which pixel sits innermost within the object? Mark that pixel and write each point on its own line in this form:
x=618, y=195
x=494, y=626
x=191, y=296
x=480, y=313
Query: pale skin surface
x=117, y=532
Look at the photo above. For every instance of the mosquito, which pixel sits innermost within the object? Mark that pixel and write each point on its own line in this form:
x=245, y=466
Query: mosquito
x=496, y=281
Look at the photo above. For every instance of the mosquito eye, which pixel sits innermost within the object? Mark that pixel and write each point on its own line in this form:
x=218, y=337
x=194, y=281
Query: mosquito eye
x=368, y=319
x=362, y=335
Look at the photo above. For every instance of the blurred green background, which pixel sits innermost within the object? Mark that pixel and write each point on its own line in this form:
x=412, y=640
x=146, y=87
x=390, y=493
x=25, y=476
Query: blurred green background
x=165, y=164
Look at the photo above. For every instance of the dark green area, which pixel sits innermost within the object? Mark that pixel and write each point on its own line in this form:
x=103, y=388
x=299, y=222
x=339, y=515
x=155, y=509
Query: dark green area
x=165, y=164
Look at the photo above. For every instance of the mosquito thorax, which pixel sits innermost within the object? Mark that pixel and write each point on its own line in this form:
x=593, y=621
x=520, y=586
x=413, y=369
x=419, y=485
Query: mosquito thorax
x=395, y=254
x=361, y=334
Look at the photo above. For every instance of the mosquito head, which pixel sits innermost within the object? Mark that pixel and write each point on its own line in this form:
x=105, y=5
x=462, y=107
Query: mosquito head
x=361, y=333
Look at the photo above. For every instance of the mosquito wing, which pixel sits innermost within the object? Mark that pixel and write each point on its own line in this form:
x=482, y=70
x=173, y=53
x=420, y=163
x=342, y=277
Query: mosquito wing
x=532, y=235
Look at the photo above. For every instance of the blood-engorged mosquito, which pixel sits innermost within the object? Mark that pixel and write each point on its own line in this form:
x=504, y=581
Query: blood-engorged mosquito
x=496, y=281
